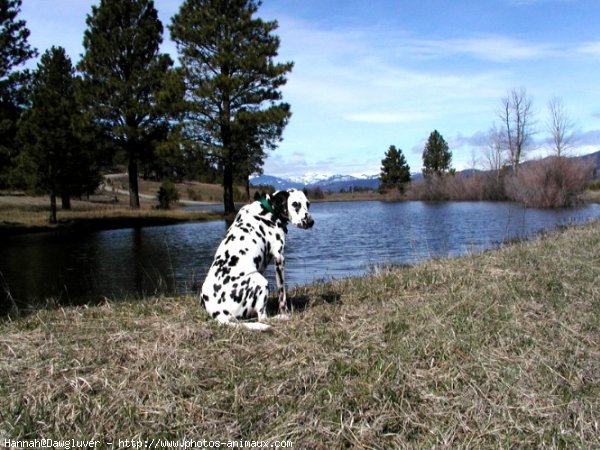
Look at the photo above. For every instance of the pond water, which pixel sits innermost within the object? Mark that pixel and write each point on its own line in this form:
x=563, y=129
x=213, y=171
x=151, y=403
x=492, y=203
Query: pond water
x=348, y=239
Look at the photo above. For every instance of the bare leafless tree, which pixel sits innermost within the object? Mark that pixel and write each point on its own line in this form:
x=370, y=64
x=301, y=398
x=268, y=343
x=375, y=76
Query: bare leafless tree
x=516, y=116
x=494, y=152
x=560, y=127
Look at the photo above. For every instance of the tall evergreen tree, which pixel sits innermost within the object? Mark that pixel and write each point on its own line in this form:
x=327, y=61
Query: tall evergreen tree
x=395, y=171
x=437, y=156
x=53, y=158
x=123, y=78
x=14, y=52
x=232, y=82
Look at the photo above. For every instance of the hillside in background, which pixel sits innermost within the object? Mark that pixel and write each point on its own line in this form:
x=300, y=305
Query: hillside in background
x=595, y=160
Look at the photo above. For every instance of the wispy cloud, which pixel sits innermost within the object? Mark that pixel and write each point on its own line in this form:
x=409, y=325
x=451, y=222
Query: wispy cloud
x=493, y=48
x=392, y=117
x=589, y=49
x=364, y=76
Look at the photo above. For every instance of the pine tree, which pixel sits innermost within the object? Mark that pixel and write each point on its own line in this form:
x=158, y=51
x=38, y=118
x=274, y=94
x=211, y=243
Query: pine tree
x=53, y=158
x=232, y=82
x=14, y=52
x=436, y=156
x=395, y=171
x=123, y=78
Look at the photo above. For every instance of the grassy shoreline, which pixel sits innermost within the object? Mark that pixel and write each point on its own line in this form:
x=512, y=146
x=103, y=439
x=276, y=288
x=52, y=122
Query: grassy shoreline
x=496, y=350
x=106, y=220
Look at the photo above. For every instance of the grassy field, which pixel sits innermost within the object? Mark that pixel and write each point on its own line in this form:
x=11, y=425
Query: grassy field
x=498, y=350
x=105, y=209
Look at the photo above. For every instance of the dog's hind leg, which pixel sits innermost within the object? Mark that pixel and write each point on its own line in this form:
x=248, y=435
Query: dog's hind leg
x=257, y=295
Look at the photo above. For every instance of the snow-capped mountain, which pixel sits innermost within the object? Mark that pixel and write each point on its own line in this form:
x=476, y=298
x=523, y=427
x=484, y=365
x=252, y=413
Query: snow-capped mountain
x=330, y=183
x=309, y=178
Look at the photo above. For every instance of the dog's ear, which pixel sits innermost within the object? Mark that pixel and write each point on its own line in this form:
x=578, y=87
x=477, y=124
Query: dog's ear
x=259, y=194
x=279, y=201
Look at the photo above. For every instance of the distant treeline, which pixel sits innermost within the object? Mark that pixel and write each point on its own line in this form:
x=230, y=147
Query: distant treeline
x=553, y=182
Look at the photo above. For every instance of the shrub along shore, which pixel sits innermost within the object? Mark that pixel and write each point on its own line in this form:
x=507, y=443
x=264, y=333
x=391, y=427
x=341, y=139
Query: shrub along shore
x=500, y=349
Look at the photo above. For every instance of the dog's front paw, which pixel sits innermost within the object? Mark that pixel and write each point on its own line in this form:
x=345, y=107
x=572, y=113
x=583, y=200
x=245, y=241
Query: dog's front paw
x=283, y=316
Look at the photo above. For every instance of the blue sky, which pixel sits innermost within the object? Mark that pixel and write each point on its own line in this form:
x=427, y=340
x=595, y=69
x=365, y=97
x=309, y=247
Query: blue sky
x=369, y=74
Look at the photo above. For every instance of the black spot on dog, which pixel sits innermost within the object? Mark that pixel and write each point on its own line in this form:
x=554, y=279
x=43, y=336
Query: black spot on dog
x=237, y=296
x=257, y=262
x=222, y=271
x=216, y=314
x=217, y=287
x=233, y=261
x=267, y=222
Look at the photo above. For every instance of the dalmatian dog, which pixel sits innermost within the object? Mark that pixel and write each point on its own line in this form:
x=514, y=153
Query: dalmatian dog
x=234, y=288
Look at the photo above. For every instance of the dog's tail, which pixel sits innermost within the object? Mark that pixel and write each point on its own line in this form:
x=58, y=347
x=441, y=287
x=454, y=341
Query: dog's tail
x=254, y=326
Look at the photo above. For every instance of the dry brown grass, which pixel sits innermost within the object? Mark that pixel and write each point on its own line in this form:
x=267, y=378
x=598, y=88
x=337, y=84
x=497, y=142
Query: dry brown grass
x=498, y=350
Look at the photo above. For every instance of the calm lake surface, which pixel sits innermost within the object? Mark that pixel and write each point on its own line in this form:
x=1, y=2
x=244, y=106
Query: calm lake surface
x=348, y=239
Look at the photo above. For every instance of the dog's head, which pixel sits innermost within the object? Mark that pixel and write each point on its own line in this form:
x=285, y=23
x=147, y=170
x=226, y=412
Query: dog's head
x=293, y=205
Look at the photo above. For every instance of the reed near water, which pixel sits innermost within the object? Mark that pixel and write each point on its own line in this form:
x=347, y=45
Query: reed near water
x=500, y=350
